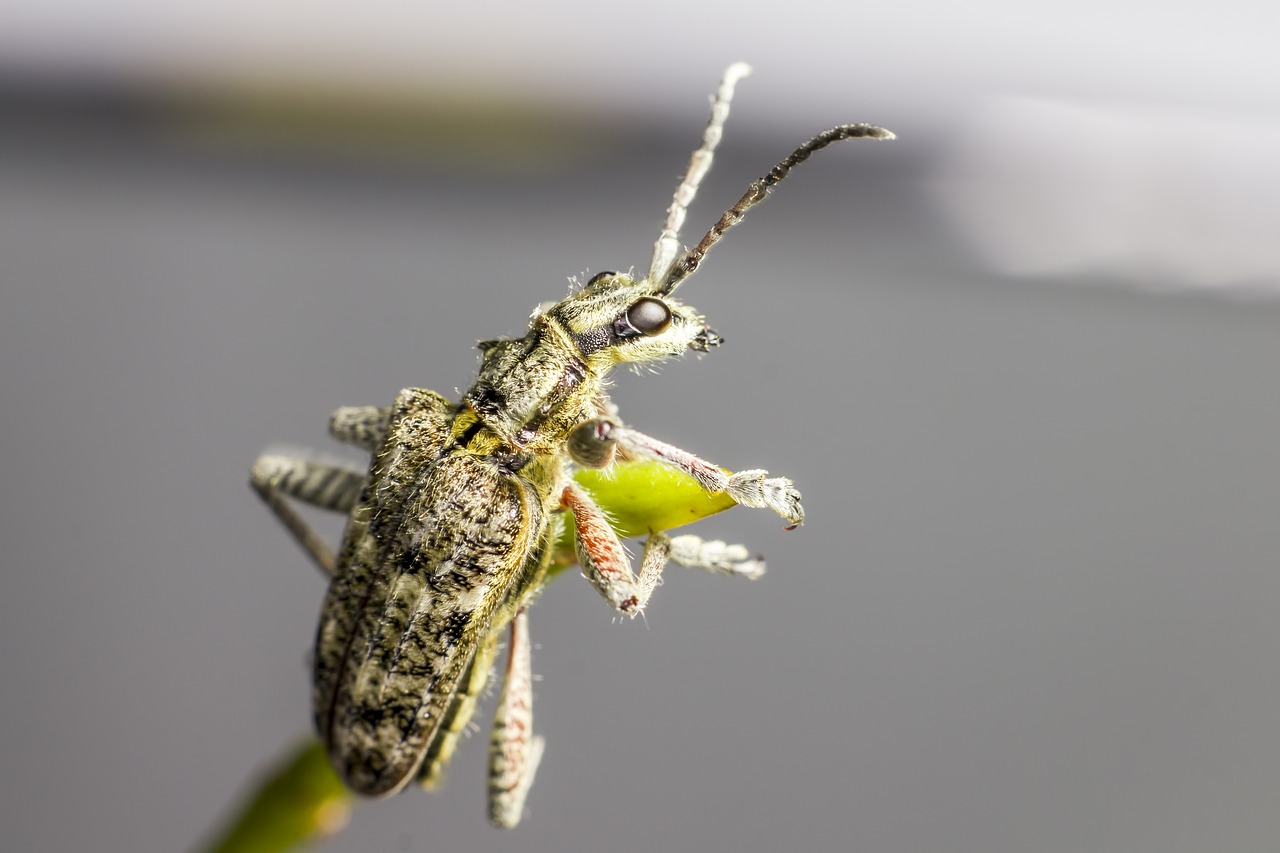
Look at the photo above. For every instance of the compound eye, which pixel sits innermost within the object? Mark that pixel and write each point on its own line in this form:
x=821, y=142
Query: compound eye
x=647, y=316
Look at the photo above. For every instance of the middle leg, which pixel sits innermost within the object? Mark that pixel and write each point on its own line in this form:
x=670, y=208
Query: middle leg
x=603, y=559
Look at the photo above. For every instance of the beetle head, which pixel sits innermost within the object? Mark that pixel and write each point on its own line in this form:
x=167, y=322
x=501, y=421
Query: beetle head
x=616, y=319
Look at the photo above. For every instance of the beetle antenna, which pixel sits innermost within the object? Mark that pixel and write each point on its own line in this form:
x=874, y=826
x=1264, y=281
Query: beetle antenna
x=667, y=247
x=759, y=190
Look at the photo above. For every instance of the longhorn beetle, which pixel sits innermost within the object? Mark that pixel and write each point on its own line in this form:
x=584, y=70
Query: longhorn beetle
x=450, y=534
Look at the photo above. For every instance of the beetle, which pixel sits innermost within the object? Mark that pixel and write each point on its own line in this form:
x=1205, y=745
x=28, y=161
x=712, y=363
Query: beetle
x=451, y=532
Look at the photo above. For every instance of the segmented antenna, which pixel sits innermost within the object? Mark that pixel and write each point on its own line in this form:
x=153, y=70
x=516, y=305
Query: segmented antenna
x=667, y=246
x=759, y=191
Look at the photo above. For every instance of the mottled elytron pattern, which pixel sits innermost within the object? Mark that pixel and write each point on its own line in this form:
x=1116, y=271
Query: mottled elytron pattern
x=451, y=532
x=431, y=551
x=463, y=707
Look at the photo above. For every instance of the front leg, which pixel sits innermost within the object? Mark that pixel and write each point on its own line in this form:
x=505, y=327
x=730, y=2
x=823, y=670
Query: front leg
x=593, y=444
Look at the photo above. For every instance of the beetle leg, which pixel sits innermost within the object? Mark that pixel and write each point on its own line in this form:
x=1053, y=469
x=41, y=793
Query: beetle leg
x=514, y=751
x=276, y=478
x=716, y=556
x=753, y=488
x=593, y=443
x=361, y=426
x=603, y=560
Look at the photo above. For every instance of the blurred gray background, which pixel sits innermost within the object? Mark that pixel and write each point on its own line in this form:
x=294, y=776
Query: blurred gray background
x=1022, y=363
